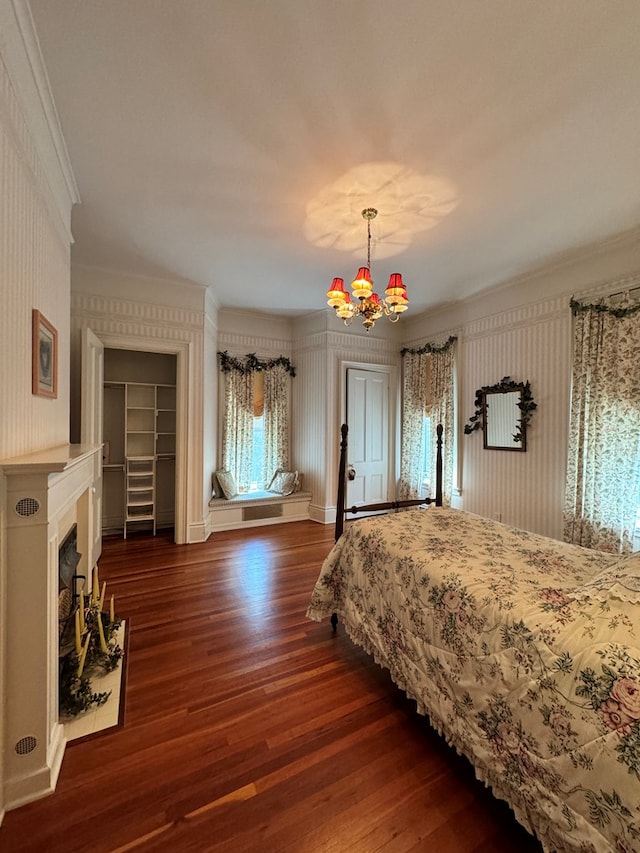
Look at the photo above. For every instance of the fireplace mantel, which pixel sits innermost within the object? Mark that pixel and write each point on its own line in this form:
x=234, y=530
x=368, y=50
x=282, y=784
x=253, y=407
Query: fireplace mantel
x=47, y=492
x=53, y=460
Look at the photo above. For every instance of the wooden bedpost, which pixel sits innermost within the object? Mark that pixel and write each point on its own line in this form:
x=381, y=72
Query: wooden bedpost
x=342, y=471
x=341, y=509
x=439, y=465
x=340, y=505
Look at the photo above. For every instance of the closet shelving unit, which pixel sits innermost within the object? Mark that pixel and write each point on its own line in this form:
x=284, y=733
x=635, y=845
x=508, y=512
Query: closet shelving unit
x=141, y=421
x=140, y=463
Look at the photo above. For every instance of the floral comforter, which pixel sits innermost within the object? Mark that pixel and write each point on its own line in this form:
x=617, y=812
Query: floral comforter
x=520, y=650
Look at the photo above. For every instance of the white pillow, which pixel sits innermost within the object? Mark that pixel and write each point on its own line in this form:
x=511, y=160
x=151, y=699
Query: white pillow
x=227, y=483
x=619, y=580
x=283, y=482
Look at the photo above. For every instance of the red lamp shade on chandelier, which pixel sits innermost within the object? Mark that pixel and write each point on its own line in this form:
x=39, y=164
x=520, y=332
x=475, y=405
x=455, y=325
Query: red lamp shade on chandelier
x=368, y=305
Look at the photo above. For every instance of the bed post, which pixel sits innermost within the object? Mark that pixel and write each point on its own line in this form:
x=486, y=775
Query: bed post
x=439, y=465
x=342, y=470
x=340, y=506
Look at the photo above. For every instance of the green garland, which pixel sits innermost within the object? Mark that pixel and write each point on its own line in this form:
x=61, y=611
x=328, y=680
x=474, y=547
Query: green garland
x=75, y=693
x=252, y=364
x=526, y=405
x=602, y=308
x=433, y=348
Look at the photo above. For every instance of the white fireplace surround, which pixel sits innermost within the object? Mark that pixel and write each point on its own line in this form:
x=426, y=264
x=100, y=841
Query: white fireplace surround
x=47, y=492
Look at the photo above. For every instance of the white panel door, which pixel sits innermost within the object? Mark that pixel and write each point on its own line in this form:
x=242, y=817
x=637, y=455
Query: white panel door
x=368, y=437
x=92, y=396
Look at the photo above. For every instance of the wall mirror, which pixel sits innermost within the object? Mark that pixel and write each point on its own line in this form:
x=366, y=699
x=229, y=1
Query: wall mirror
x=502, y=412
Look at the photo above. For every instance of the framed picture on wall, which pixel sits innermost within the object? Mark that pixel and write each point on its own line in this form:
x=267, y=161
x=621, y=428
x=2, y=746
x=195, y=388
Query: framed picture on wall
x=44, y=357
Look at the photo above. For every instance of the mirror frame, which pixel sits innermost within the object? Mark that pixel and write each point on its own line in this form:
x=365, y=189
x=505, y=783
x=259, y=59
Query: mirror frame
x=526, y=405
x=518, y=438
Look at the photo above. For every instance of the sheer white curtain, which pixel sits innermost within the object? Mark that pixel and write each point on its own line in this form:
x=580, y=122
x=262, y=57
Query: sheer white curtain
x=603, y=466
x=276, y=421
x=237, y=428
x=428, y=382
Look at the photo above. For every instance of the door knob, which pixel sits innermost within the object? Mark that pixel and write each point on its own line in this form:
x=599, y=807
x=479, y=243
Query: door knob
x=351, y=473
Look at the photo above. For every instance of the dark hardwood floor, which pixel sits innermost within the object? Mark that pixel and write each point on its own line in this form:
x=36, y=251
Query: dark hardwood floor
x=249, y=727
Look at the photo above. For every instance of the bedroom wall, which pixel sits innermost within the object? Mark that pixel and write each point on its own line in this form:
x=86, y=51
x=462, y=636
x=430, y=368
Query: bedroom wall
x=35, y=239
x=38, y=191
x=524, y=329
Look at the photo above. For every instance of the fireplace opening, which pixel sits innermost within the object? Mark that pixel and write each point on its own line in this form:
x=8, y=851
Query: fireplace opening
x=68, y=559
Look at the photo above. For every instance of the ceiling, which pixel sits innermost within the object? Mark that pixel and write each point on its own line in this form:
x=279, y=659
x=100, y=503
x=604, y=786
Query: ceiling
x=234, y=143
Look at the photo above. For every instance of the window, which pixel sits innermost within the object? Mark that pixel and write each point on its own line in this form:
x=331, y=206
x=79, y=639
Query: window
x=428, y=392
x=425, y=459
x=255, y=426
x=257, y=458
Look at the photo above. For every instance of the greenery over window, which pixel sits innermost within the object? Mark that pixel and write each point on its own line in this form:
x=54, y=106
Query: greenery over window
x=251, y=363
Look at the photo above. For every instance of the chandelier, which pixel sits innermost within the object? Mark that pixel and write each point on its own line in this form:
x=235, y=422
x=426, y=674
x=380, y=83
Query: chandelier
x=369, y=306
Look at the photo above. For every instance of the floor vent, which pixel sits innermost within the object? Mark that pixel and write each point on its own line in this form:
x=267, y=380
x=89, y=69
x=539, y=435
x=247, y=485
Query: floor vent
x=254, y=513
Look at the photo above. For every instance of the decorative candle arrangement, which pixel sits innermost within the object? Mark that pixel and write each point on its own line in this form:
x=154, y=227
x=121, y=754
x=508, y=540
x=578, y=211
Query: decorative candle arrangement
x=96, y=650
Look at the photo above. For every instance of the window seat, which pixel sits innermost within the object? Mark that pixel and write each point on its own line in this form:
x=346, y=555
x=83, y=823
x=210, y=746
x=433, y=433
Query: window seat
x=257, y=508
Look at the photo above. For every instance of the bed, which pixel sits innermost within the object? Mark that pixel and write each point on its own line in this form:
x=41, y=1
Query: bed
x=523, y=651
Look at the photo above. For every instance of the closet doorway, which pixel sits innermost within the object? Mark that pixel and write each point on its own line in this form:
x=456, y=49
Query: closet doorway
x=140, y=424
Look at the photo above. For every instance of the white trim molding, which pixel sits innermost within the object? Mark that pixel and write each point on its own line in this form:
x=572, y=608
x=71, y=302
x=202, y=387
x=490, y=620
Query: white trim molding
x=37, y=130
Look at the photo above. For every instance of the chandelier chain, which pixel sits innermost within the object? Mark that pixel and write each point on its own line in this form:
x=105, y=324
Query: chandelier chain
x=369, y=213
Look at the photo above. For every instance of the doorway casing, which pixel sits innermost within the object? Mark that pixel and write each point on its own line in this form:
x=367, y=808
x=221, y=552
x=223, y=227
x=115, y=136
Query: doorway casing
x=182, y=351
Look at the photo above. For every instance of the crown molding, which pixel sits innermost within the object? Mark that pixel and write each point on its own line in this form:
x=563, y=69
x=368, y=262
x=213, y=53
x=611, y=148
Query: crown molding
x=525, y=316
x=545, y=310
x=116, y=313
x=562, y=261
x=126, y=275
x=25, y=66
x=438, y=339
x=579, y=262
x=608, y=287
x=273, y=316
x=261, y=346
